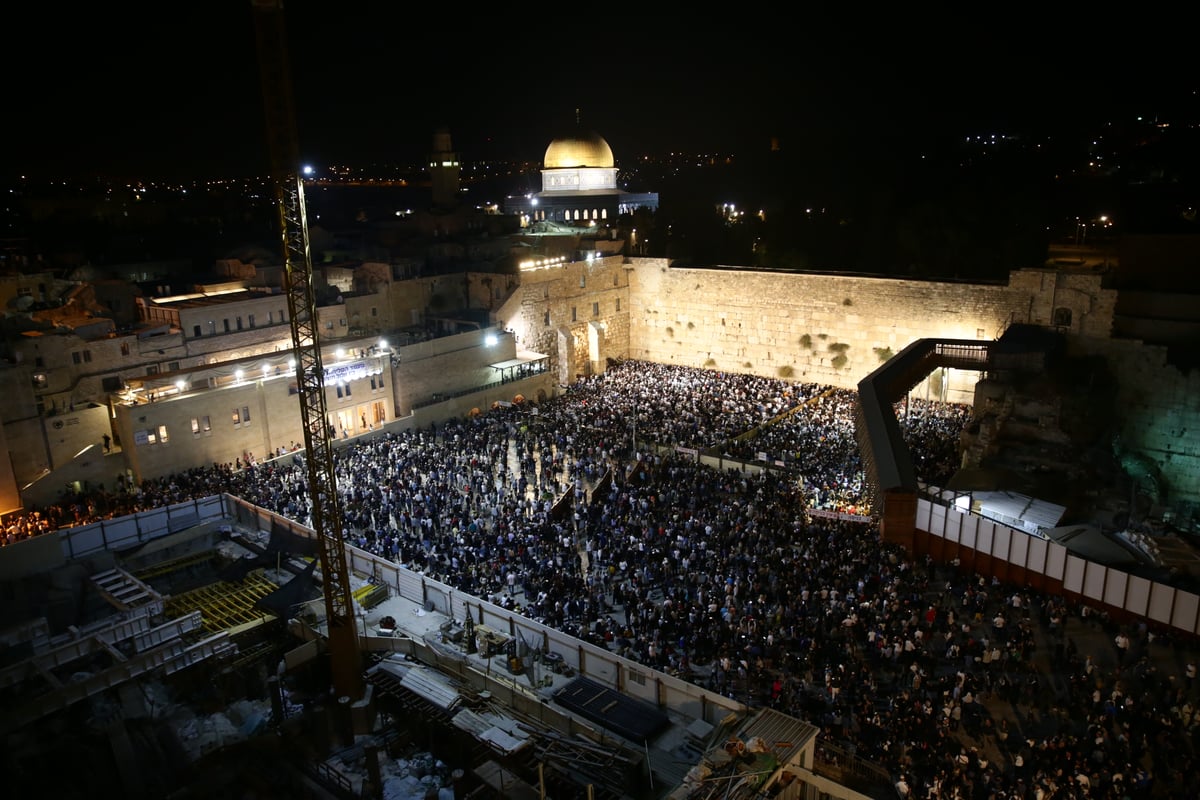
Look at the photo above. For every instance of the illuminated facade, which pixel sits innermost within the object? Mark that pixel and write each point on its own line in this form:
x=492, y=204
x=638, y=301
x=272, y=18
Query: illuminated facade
x=579, y=186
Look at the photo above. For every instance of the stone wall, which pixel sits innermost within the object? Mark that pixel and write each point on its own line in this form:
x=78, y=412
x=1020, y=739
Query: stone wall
x=830, y=329
x=836, y=329
x=577, y=312
x=1159, y=410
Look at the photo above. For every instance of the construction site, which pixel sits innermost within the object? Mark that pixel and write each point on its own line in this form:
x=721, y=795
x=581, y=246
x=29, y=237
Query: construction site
x=197, y=665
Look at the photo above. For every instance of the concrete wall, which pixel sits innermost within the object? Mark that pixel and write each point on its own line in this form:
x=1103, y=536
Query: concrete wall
x=69, y=433
x=447, y=365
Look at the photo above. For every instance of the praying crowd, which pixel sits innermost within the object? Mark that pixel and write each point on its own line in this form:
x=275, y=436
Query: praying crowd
x=769, y=585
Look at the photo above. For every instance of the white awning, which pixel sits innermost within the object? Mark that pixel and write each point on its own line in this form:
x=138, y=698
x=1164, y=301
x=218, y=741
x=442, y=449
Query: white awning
x=512, y=362
x=1018, y=510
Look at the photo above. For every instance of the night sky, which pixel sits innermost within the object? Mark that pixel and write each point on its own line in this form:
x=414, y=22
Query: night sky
x=152, y=90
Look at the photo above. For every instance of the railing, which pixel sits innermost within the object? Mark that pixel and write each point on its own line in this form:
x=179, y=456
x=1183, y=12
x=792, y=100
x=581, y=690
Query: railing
x=593, y=661
x=121, y=533
x=842, y=765
x=441, y=397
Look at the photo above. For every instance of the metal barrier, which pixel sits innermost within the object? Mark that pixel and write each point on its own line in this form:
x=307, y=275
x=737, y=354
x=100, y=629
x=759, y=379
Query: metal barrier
x=1014, y=556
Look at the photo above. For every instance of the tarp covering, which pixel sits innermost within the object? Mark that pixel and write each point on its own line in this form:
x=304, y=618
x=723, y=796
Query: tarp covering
x=1018, y=510
x=236, y=571
x=299, y=589
x=284, y=541
x=1093, y=544
x=625, y=716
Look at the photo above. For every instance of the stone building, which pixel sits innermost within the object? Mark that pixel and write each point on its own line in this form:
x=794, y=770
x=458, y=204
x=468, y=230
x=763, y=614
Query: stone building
x=579, y=185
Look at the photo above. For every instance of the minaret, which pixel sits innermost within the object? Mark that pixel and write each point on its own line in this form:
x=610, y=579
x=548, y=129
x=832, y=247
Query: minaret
x=443, y=172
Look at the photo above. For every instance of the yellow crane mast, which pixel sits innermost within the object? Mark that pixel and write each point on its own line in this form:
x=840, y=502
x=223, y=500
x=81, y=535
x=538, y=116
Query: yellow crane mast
x=288, y=183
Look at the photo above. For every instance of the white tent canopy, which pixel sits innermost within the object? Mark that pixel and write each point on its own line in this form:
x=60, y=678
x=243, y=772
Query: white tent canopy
x=1017, y=510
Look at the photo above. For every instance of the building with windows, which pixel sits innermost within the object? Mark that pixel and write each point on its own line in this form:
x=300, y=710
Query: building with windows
x=245, y=410
x=206, y=376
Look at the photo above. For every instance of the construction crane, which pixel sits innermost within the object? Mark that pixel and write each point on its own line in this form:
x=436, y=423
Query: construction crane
x=288, y=183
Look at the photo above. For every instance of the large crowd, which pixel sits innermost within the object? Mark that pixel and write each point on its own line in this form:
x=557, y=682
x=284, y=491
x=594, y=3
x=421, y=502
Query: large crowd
x=593, y=512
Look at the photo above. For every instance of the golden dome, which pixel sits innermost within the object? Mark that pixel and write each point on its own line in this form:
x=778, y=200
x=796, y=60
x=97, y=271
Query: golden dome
x=583, y=149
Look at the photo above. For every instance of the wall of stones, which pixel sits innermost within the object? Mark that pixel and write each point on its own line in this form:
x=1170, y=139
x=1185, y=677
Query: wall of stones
x=831, y=329
x=576, y=312
x=799, y=326
x=836, y=329
x=1159, y=409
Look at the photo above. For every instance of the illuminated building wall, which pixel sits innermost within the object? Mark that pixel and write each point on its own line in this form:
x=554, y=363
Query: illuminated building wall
x=835, y=329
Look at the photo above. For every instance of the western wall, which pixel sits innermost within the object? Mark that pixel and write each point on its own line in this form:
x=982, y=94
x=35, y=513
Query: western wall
x=836, y=328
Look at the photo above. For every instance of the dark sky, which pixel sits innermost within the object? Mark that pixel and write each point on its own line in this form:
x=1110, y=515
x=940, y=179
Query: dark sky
x=153, y=90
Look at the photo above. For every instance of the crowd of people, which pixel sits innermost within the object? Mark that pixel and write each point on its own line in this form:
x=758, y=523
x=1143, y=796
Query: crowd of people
x=596, y=515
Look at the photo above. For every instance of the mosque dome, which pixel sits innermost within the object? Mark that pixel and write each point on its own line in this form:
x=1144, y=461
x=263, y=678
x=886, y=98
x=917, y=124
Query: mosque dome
x=581, y=149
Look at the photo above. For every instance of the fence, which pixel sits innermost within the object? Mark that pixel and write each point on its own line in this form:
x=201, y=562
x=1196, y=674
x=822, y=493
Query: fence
x=592, y=661
x=1014, y=556
x=122, y=533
